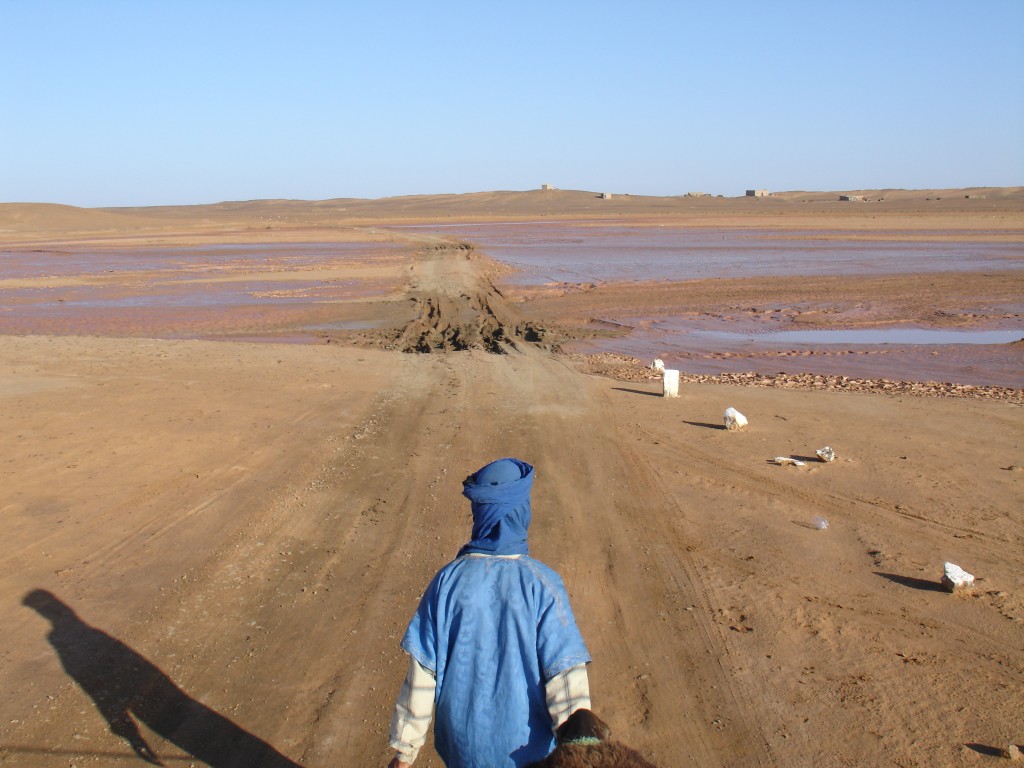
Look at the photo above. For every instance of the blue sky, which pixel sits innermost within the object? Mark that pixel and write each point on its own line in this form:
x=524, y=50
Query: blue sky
x=149, y=103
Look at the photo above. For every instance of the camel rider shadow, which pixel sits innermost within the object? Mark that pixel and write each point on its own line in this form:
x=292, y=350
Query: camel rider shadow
x=123, y=684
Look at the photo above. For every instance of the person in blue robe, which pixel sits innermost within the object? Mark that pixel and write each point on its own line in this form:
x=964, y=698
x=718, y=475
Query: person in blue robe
x=495, y=650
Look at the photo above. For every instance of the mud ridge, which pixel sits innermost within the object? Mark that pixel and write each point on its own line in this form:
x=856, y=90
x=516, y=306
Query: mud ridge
x=455, y=308
x=468, y=322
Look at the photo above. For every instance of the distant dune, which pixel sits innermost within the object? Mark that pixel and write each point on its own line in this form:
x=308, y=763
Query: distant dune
x=35, y=217
x=996, y=208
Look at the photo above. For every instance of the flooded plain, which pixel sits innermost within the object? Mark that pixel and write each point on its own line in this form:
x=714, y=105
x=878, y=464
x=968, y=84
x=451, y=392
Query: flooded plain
x=264, y=292
x=559, y=252
x=976, y=357
x=903, y=336
x=985, y=348
x=313, y=292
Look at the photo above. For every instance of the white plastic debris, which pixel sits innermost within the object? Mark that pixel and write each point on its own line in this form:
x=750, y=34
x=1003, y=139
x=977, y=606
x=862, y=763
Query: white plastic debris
x=819, y=522
x=658, y=365
x=734, y=420
x=784, y=460
x=954, y=577
x=826, y=454
x=670, y=383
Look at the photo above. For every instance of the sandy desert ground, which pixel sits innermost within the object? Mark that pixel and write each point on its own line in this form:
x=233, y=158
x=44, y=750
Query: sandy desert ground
x=211, y=548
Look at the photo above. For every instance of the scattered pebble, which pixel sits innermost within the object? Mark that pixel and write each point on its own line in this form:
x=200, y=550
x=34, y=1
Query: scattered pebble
x=627, y=368
x=784, y=460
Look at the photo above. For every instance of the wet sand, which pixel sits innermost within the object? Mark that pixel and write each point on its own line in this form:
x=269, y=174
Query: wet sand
x=315, y=293
x=704, y=299
x=237, y=533
x=280, y=291
x=727, y=325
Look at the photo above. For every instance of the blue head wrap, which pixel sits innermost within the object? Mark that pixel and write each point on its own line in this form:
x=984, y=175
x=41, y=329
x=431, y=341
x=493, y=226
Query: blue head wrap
x=500, y=496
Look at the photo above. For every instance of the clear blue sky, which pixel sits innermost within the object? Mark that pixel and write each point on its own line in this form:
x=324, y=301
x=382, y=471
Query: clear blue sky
x=147, y=102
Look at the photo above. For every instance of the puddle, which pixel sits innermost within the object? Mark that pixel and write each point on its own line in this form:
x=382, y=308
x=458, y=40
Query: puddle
x=979, y=357
x=281, y=293
x=579, y=254
x=345, y=325
x=203, y=259
x=870, y=336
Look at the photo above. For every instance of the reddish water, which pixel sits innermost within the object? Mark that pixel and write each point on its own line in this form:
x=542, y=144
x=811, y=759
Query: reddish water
x=554, y=252
x=549, y=252
x=186, y=262
x=158, y=291
x=151, y=293
x=992, y=358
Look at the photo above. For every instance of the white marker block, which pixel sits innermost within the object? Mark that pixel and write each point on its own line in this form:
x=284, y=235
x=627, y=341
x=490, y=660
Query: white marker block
x=734, y=420
x=670, y=383
x=954, y=577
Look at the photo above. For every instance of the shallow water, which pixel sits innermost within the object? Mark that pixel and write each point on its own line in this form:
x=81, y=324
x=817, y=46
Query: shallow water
x=554, y=252
x=159, y=282
x=870, y=336
x=570, y=253
x=979, y=357
x=160, y=298
x=87, y=262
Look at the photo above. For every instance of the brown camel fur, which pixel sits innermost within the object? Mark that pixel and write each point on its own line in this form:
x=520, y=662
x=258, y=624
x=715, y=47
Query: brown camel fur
x=583, y=742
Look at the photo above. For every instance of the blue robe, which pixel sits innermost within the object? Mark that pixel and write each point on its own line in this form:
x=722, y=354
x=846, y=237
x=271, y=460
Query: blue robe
x=493, y=629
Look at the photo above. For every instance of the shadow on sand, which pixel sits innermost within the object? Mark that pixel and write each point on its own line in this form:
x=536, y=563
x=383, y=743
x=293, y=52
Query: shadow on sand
x=705, y=425
x=123, y=684
x=637, y=391
x=909, y=581
x=984, y=749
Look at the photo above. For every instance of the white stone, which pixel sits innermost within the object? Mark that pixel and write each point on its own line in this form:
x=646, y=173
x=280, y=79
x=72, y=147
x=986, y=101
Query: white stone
x=670, y=383
x=734, y=420
x=826, y=454
x=954, y=577
x=783, y=460
x=658, y=365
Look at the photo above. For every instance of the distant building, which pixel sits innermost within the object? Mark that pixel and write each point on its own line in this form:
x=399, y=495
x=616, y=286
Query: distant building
x=697, y=194
x=757, y=193
x=546, y=186
x=852, y=198
x=606, y=195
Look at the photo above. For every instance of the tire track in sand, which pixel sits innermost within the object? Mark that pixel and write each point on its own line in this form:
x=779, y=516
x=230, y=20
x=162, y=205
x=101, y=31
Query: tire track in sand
x=292, y=626
x=603, y=519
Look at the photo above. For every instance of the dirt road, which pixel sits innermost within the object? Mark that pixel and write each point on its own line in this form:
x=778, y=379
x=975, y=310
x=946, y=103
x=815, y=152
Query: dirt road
x=237, y=534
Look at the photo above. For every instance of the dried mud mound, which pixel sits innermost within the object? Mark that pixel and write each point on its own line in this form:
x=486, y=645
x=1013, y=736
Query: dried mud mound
x=455, y=308
x=476, y=321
